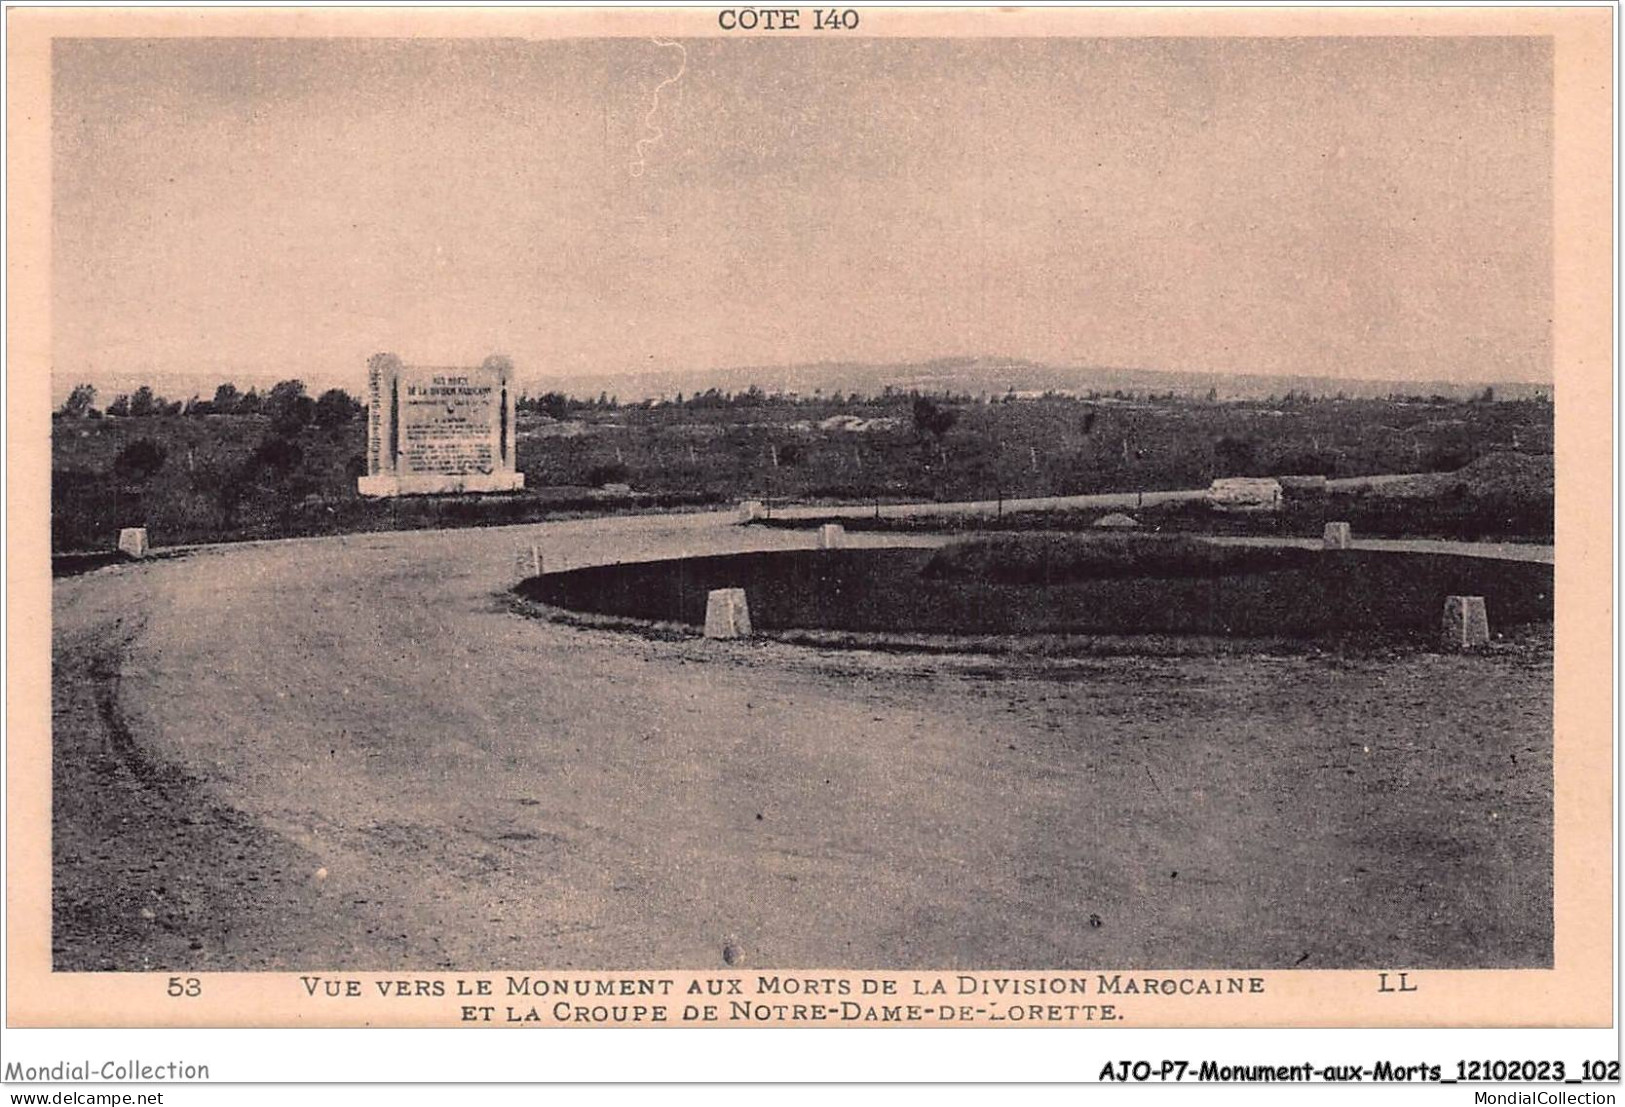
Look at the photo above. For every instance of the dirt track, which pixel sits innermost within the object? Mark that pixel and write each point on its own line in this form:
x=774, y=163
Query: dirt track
x=1095, y=500
x=485, y=790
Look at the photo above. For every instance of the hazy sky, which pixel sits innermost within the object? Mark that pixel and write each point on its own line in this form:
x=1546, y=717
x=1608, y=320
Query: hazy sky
x=1345, y=207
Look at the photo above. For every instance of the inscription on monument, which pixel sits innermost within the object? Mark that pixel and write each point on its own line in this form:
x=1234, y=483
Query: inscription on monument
x=447, y=427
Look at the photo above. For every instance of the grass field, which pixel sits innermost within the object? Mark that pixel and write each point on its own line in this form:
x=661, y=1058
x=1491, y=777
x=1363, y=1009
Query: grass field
x=1498, y=497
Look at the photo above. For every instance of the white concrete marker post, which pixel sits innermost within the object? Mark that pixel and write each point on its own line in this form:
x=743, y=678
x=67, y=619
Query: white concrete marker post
x=1466, y=623
x=1336, y=536
x=528, y=563
x=831, y=536
x=132, y=541
x=727, y=614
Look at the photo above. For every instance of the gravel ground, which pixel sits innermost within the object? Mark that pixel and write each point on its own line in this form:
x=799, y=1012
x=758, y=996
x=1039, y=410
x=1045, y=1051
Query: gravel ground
x=355, y=753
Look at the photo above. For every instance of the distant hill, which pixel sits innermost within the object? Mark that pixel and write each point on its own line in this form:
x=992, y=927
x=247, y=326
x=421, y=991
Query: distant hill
x=973, y=375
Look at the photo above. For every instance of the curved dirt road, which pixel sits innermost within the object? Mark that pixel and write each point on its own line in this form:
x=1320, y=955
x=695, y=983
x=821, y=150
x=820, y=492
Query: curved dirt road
x=352, y=753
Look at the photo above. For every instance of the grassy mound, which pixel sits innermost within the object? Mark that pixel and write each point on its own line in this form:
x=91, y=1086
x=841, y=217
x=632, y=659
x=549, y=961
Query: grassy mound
x=1512, y=476
x=1303, y=594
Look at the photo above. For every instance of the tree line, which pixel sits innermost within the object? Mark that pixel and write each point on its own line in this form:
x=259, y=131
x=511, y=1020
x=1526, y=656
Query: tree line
x=288, y=403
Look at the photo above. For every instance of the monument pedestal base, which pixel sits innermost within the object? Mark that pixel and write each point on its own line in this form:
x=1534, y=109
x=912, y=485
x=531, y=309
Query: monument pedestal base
x=411, y=484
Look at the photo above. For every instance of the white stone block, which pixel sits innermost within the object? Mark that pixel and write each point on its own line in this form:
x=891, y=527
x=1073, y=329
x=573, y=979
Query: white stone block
x=133, y=541
x=1466, y=623
x=727, y=614
x=750, y=510
x=1336, y=536
x=831, y=536
x=1245, y=494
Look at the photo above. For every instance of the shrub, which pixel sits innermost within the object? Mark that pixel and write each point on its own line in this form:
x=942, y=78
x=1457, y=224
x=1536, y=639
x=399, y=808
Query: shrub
x=336, y=406
x=933, y=418
x=609, y=472
x=140, y=461
x=281, y=454
x=294, y=414
x=288, y=406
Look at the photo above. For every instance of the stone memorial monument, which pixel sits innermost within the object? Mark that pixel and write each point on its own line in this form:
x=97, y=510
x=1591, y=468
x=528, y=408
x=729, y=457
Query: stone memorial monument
x=439, y=430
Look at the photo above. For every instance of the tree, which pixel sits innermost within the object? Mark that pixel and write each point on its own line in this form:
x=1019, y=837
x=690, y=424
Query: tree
x=120, y=406
x=933, y=418
x=79, y=401
x=226, y=485
x=554, y=405
x=336, y=406
x=282, y=402
x=249, y=403
x=226, y=399
x=144, y=402
x=290, y=409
